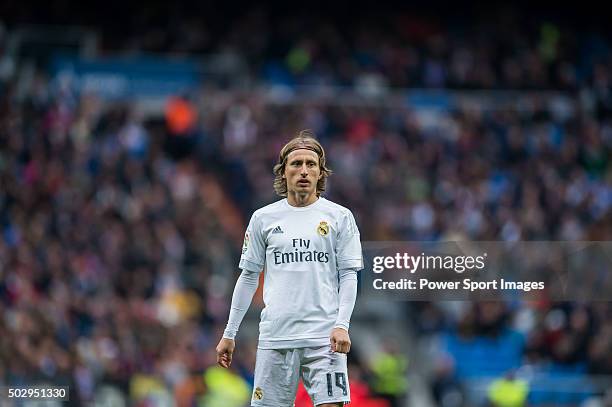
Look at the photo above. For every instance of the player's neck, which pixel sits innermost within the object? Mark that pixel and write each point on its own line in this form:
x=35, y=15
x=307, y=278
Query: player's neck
x=300, y=200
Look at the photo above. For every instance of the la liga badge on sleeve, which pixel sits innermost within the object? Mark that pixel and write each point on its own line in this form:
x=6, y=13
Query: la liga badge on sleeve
x=245, y=245
x=258, y=393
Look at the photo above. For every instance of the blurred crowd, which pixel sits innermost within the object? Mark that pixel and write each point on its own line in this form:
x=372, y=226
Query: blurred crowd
x=107, y=248
x=119, y=234
x=366, y=45
x=559, y=351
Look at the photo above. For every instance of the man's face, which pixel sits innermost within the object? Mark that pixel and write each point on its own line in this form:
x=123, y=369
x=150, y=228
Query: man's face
x=302, y=171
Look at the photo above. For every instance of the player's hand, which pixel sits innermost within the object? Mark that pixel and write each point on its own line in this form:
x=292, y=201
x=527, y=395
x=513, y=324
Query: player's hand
x=340, y=340
x=225, y=350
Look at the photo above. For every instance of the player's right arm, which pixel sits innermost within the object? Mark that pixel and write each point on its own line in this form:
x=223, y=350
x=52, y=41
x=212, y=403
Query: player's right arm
x=251, y=263
x=241, y=299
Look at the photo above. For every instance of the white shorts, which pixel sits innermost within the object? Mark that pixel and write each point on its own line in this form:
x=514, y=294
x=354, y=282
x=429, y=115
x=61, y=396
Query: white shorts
x=278, y=371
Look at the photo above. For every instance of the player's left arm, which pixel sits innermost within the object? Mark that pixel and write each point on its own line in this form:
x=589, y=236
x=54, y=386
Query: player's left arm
x=339, y=338
x=349, y=260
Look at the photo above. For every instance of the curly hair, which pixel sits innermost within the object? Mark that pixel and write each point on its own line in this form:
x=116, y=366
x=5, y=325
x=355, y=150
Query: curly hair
x=306, y=140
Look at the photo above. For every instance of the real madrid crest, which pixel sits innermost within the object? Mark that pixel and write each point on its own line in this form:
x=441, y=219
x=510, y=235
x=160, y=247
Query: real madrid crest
x=258, y=394
x=245, y=245
x=323, y=228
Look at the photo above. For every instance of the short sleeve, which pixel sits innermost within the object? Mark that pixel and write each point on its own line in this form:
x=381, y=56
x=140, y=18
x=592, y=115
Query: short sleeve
x=253, y=248
x=348, y=251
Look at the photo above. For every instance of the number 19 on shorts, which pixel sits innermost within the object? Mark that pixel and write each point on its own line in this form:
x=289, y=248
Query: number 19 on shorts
x=340, y=383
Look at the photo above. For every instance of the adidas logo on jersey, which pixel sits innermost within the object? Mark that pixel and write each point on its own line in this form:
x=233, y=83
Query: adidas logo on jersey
x=277, y=230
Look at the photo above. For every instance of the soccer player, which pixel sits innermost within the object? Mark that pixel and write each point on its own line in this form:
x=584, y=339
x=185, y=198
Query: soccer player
x=310, y=252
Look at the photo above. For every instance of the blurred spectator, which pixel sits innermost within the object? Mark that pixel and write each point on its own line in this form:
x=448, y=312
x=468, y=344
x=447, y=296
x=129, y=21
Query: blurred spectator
x=390, y=373
x=508, y=391
x=225, y=389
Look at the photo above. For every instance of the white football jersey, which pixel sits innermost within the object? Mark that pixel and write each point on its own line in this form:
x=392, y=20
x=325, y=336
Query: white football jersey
x=300, y=250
